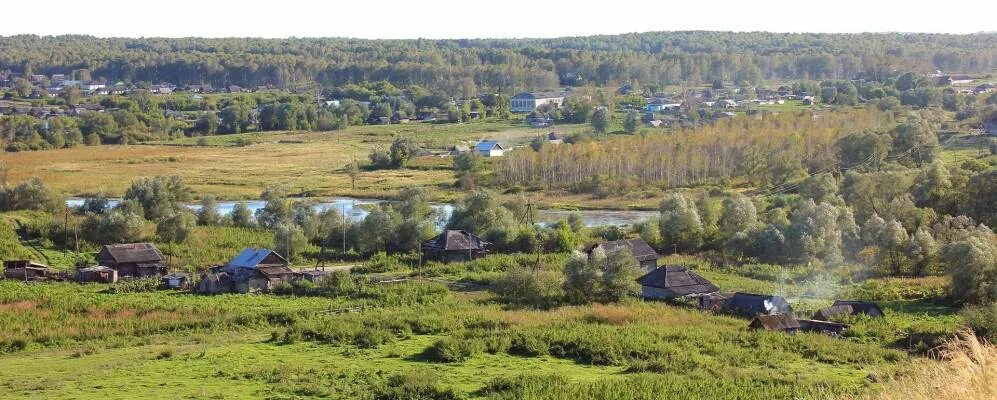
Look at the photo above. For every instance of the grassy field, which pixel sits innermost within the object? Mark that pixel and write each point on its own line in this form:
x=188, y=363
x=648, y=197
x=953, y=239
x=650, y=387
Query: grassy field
x=310, y=163
x=82, y=341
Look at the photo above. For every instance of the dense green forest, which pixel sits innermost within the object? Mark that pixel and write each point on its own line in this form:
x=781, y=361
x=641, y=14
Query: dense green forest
x=499, y=65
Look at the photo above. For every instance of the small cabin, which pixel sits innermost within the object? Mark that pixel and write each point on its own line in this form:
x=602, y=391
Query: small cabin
x=251, y=271
x=135, y=260
x=673, y=281
x=455, y=245
x=646, y=257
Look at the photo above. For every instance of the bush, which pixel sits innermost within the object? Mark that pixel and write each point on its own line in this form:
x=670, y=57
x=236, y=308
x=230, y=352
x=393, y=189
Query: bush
x=379, y=263
x=411, y=386
x=983, y=320
x=534, y=288
x=143, y=285
x=454, y=349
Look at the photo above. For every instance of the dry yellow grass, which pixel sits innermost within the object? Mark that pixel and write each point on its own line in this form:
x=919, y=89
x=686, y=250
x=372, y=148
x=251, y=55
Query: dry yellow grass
x=968, y=372
x=308, y=162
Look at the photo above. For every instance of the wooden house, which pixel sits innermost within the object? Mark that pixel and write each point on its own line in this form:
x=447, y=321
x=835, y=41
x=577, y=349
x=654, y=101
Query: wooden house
x=784, y=322
x=24, y=270
x=673, y=281
x=251, y=271
x=455, y=245
x=135, y=260
x=646, y=257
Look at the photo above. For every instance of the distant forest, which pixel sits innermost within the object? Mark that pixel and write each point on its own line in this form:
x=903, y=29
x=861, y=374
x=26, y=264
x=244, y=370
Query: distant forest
x=466, y=67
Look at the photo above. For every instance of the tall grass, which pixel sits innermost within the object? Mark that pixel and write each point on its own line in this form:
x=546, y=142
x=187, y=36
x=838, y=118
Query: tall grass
x=968, y=372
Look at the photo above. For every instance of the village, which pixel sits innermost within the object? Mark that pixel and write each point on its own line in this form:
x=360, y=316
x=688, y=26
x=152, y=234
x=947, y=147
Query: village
x=259, y=271
x=656, y=109
x=392, y=214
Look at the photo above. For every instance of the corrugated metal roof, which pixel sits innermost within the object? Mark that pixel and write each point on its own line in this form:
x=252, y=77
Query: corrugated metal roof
x=250, y=257
x=487, y=146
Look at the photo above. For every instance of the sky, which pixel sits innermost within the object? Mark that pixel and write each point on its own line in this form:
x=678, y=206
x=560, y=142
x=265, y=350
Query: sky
x=435, y=19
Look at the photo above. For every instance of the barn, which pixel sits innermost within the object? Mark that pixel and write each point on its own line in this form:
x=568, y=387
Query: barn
x=645, y=255
x=455, y=245
x=673, y=281
x=135, y=260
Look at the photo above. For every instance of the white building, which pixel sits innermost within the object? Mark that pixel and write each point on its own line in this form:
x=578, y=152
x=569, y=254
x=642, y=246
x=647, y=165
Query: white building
x=527, y=102
x=490, y=149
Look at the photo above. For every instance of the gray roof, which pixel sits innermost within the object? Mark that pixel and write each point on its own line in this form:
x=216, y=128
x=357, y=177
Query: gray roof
x=775, y=322
x=540, y=95
x=456, y=240
x=134, y=253
x=752, y=304
x=829, y=313
x=640, y=249
x=678, y=280
x=861, y=307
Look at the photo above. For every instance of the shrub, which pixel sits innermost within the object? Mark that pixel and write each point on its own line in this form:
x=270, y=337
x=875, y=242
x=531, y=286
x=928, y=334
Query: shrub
x=410, y=386
x=454, y=349
x=983, y=320
x=143, y=285
x=379, y=263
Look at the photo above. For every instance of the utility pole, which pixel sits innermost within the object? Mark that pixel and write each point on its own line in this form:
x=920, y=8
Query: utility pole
x=528, y=218
x=344, y=231
x=65, y=229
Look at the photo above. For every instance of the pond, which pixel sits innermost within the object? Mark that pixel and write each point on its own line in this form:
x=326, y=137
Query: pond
x=355, y=209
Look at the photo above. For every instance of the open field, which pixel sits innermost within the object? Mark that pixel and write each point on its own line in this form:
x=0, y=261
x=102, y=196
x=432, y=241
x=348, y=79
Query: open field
x=63, y=340
x=308, y=162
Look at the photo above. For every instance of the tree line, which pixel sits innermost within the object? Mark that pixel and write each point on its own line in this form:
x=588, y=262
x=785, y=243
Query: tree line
x=464, y=67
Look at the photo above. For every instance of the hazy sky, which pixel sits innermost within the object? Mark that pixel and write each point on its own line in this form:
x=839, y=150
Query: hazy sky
x=478, y=19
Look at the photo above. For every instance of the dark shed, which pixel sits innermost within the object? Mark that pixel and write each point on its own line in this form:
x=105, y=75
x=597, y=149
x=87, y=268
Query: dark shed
x=137, y=260
x=455, y=245
x=775, y=322
x=24, y=270
x=750, y=305
x=673, y=281
x=861, y=307
x=645, y=255
x=833, y=313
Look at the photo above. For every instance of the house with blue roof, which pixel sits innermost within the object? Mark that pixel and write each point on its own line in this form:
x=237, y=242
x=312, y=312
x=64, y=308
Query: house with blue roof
x=252, y=271
x=490, y=149
x=251, y=257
